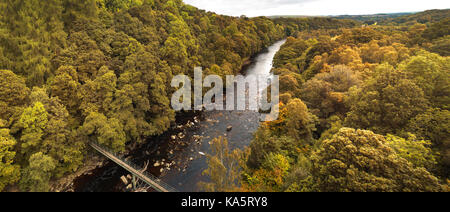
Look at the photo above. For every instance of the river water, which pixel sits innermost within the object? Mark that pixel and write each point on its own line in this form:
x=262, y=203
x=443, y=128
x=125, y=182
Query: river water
x=179, y=153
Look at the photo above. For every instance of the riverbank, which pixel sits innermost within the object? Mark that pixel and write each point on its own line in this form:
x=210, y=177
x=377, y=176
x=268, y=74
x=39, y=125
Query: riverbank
x=95, y=164
x=155, y=152
x=66, y=183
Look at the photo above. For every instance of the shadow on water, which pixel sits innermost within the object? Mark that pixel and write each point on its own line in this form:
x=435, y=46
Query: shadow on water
x=179, y=153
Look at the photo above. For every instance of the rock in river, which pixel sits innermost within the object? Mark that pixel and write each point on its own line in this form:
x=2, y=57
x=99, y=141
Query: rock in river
x=124, y=180
x=181, y=135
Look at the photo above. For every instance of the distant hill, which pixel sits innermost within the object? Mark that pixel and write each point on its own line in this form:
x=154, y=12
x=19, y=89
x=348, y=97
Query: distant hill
x=293, y=25
x=429, y=16
x=373, y=18
x=292, y=16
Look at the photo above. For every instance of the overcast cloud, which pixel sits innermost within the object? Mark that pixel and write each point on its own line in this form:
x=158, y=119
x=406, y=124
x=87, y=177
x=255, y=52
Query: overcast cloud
x=315, y=7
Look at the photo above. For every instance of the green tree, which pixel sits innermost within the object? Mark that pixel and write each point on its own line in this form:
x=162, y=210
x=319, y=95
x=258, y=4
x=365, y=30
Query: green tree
x=290, y=83
x=84, y=53
x=98, y=95
x=66, y=86
x=359, y=35
x=271, y=176
x=75, y=10
x=289, y=134
x=441, y=46
x=431, y=73
x=386, y=102
x=325, y=93
x=58, y=140
x=36, y=33
x=9, y=171
x=13, y=96
x=265, y=143
x=434, y=125
x=175, y=52
x=116, y=5
x=291, y=50
x=108, y=132
x=418, y=152
x=37, y=175
x=223, y=168
x=33, y=122
x=300, y=124
x=142, y=101
x=437, y=30
x=361, y=161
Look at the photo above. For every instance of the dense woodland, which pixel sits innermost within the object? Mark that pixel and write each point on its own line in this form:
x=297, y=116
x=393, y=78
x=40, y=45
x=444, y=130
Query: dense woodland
x=75, y=71
x=363, y=109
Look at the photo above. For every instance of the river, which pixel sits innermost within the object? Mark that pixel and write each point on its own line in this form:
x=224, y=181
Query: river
x=181, y=161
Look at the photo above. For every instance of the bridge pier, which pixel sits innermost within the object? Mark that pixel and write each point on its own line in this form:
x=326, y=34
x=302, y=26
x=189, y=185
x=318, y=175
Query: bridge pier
x=134, y=182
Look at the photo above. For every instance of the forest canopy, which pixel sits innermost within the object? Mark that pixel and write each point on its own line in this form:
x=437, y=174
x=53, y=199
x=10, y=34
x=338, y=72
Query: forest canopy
x=364, y=106
x=74, y=72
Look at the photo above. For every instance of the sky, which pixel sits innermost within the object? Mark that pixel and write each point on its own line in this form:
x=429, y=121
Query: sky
x=253, y=8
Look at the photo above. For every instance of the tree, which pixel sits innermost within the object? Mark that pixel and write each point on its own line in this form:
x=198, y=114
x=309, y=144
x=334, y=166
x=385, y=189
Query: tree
x=437, y=30
x=13, y=96
x=374, y=53
x=36, y=34
x=300, y=124
x=142, y=102
x=98, y=95
x=33, y=122
x=441, y=46
x=223, y=167
x=265, y=143
x=79, y=9
x=430, y=72
x=356, y=36
x=415, y=33
x=270, y=177
x=418, y=152
x=58, y=140
x=84, y=54
x=9, y=171
x=291, y=50
x=291, y=132
x=386, y=102
x=66, y=86
x=361, y=161
x=117, y=5
x=107, y=132
x=434, y=125
x=37, y=175
x=325, y=93
x=290, y=83
x=334, y=124
x=175, y=52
